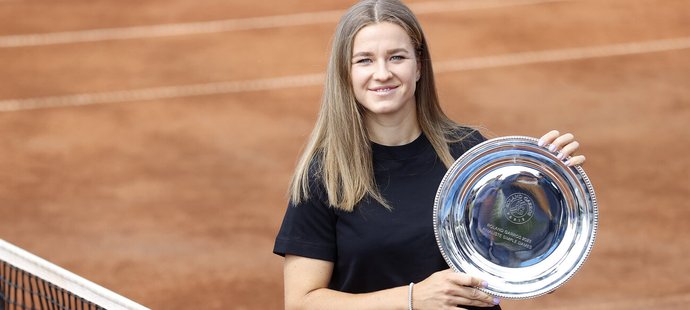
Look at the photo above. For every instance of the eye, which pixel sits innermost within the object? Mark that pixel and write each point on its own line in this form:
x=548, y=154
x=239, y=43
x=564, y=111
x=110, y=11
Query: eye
x=363, y=61
x=397, y=58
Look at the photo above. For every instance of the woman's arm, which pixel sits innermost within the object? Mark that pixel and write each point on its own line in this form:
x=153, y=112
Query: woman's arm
x=306, y=287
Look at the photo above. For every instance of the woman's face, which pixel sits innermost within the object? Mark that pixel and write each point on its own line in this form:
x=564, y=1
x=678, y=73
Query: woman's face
x=384, y=71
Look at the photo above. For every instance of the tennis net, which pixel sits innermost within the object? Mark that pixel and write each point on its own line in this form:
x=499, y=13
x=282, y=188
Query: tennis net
x=30, y=282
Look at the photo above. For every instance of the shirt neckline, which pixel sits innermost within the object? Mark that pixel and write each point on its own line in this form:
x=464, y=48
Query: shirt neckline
x=412, y=149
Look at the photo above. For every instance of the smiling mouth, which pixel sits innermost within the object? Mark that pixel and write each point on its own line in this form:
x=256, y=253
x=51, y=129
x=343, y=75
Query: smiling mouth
x=384, y=90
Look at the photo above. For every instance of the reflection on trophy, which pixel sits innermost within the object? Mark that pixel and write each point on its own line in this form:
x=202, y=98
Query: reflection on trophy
x=510, y=212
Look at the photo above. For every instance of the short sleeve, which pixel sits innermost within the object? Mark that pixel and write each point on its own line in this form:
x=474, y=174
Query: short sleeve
x=308, y=228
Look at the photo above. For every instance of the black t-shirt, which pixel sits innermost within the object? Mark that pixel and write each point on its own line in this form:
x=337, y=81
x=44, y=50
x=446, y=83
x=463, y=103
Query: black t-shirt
x=374, y=248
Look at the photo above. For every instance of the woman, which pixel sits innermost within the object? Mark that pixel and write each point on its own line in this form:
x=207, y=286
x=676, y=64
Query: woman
x=358, y=233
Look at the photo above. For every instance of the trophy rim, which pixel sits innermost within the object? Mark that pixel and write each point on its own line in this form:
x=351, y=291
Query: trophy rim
x=548, y=286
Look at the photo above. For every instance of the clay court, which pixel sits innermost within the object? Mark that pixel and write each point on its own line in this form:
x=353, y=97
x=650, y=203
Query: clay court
x=147, y=145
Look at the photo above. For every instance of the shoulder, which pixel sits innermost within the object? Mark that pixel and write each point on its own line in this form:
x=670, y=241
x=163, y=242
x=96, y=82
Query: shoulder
x=467, y=135
x=463, y=138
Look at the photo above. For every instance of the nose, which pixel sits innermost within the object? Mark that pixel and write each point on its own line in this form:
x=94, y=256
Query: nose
x=382, y=72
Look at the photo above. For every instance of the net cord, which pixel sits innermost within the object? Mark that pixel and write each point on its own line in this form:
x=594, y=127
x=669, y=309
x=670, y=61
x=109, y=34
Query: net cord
x=65, y=279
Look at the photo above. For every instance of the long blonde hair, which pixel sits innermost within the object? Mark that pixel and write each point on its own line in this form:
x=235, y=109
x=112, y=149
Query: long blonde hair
x=338, y=153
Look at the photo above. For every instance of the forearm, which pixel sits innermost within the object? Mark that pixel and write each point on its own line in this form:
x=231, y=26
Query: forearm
x=324, y=298
x=306, y=282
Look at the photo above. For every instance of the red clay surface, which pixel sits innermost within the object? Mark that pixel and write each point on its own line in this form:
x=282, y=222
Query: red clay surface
x=175, y=202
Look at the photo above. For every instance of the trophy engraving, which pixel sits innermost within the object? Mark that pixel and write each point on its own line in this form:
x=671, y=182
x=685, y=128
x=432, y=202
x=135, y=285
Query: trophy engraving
x=519, y=208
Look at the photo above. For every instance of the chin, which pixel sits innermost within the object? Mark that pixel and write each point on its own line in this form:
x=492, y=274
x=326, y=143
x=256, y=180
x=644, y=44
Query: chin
x=384, y=110
x=384, y=106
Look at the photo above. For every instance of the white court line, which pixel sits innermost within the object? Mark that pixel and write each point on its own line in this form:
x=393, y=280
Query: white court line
x=631, y=48
x=162, y=92
x=317, y=78
x=179, y=29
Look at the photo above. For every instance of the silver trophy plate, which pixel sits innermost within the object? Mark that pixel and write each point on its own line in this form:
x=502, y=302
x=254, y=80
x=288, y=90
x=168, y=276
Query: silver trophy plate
x=510, y=212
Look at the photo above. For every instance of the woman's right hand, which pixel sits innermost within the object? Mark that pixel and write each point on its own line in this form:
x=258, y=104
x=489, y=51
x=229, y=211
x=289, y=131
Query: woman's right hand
x=448, y=289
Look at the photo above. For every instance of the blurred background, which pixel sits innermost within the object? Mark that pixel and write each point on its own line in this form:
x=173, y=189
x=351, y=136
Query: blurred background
x=147, y=145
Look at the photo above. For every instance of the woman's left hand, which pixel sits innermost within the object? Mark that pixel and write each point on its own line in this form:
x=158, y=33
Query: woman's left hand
x=565, y=145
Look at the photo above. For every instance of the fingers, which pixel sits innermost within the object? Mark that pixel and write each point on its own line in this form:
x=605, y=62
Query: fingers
x=468, y=291
x=568, y=149
x=448, y=289
x=575, y=160
x=548, y=137
x=564, y=146
x=472, y=296
x=561, y=141
x=466, y=280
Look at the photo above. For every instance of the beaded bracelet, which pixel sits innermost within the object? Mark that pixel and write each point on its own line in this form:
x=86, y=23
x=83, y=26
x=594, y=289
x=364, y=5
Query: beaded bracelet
x=409, y=295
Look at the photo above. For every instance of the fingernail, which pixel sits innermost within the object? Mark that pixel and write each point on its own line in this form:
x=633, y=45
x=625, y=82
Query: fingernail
x=485, y=284
x=567, y=162
x=541, y=142
x=560, y=156
x=552, y=148
x=496, y=301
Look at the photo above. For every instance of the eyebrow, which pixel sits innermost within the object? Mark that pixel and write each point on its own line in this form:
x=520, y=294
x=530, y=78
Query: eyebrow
x=388, y=52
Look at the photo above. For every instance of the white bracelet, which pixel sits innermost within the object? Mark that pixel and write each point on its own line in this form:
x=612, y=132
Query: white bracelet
x=409, y=295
